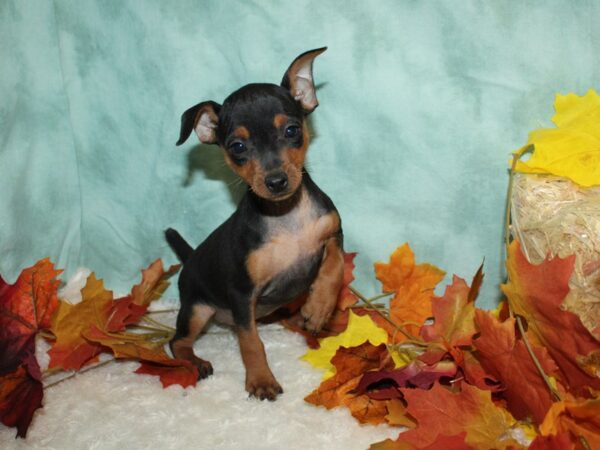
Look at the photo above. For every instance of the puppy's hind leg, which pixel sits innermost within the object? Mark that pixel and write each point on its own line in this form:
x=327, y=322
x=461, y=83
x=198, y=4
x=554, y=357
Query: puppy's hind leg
x=190, y=323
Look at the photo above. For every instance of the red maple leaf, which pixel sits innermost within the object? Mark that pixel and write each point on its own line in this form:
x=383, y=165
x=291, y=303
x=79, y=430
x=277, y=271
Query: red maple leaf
x=439, y=411
x=507, y=359
x=25, y=309
x=536, y=292
x=416, y=374
x=21, y=394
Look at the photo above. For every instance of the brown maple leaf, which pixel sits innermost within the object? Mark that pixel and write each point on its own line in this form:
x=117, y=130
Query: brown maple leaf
x=153, y=357
x=506, y=358
x=413, y=286
x=350, y=364
x=536, y=293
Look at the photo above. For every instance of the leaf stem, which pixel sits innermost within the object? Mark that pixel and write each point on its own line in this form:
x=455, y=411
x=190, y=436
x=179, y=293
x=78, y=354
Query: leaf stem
x=157, y=324
x=536, y=361
x=386, y=318
x=162, y=311
x=507, y=239
x=74, y=373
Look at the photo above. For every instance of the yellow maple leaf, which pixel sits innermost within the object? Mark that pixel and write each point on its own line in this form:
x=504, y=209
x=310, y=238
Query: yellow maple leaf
x=360, y=329
x=571, y=150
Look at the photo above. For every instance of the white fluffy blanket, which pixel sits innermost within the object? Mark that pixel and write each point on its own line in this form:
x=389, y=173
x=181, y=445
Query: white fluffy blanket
x=110, y=407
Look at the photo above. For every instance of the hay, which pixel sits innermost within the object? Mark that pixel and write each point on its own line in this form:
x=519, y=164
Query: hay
x=553, y=216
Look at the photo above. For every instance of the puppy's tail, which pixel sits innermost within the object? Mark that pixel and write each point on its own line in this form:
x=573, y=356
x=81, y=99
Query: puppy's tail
x=182, y=249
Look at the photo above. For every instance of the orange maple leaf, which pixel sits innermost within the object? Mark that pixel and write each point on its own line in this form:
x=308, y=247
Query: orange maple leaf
x=454, y=314
x=413, y=286
x=70, y=350
x=507, y=359
x=350, y=364
x=579, y=417
x=442, y=442
x=439, y=412
x=561, y=441
x=536, y=293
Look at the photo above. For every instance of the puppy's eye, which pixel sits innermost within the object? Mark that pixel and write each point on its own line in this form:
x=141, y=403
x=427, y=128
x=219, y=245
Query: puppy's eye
x=292, y=131
x=237, y=148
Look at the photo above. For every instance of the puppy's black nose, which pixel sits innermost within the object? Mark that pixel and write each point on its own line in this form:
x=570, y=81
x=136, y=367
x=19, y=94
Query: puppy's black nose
x=276, y=183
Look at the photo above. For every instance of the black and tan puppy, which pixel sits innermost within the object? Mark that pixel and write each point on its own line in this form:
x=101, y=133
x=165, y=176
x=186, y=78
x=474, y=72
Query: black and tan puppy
x=283, y=240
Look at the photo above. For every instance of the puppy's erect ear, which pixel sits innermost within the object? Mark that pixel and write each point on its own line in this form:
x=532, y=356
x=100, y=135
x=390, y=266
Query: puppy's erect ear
x=299, y=80
x=202, y=118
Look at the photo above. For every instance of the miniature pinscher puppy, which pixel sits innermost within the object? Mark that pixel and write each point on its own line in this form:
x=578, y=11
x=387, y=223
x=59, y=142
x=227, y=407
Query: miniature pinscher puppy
x=285, y=237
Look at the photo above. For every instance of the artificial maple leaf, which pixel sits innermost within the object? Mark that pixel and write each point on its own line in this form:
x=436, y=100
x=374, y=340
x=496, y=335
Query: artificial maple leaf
x=128, y=310
x=580, y=417
x=536, y=293
x=26, y=308
x=416, y=374
x=350, y=364
x=573, y=149
x=21, y=394
x=413, y=286
x=456, y=442
x=561, y=441
x=70, y=350
x=346, y=298
x=438, y=411
x=506, y=358
x=454, y=313
x=397, y=414
x=154, y=283
x=360, y=330
x=155, y=360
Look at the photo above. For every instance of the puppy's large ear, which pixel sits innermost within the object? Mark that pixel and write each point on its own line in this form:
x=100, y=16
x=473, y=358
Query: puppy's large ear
x=299, y=80
x=203, y=119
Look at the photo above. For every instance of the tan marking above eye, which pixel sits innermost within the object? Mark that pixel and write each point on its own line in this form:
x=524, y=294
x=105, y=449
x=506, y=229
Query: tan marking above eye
x=241, y=133
x=280, y=120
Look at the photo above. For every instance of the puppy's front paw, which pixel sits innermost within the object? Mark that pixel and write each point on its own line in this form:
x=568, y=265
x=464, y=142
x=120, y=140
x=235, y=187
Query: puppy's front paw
x=205, y=368
x=315, y=316
x=263, y=388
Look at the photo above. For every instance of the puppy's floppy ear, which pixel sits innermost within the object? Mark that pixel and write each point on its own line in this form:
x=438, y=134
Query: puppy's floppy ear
x=202, y=118
x=299, y=79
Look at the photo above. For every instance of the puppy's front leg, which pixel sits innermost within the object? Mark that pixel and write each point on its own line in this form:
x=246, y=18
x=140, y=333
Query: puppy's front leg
x=324, y=291
x=260, y=381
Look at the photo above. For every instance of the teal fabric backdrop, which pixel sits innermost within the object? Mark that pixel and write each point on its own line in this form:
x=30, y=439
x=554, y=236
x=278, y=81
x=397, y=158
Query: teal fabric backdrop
x=421, y=104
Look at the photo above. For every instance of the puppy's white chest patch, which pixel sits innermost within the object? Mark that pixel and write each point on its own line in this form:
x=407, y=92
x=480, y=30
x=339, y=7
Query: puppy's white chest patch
x=291, y=239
